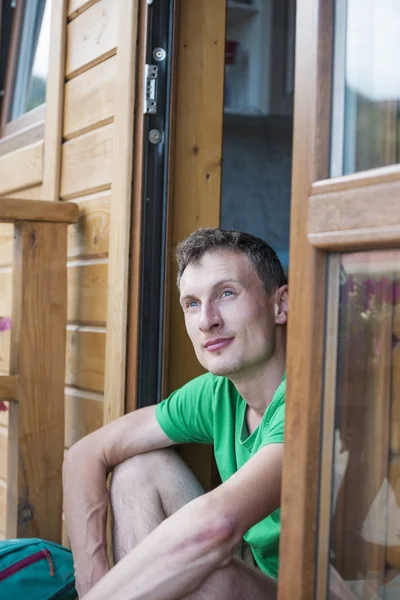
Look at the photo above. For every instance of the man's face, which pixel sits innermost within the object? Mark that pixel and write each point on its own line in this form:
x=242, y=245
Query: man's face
x=229, y=316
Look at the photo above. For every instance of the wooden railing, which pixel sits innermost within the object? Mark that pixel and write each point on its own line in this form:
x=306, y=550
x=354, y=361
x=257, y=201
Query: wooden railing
x=35, y=385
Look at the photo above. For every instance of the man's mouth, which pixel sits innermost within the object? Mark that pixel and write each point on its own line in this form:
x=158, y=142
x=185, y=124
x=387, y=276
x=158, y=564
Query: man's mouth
x=218, y=344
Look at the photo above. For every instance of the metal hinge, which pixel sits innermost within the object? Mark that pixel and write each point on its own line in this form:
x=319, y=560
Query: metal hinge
x=150, y=89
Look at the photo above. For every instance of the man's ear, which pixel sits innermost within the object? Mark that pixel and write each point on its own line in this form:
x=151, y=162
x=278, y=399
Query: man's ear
x=281, y=305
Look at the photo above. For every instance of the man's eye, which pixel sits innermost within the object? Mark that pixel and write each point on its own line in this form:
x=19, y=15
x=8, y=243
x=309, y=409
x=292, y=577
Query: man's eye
x=227, y=293
x=191, y=304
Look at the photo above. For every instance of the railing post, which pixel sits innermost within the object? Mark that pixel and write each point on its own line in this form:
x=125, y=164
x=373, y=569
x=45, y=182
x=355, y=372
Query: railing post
x=36, y=421
x=36, y=425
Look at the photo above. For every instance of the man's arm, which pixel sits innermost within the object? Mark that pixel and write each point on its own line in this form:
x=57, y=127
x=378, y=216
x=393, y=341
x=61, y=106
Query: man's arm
x=84, y=481
x=199, y=538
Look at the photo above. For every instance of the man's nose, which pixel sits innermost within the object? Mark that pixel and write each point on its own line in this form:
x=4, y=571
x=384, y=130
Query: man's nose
x=210, y=318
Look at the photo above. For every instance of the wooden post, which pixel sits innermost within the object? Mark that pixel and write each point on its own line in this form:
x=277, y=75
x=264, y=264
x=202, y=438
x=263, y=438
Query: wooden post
x=36, y=425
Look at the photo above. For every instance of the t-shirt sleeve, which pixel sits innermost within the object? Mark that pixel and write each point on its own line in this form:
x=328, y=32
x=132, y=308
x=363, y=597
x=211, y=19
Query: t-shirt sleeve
x=187, y=414
x=274, y=433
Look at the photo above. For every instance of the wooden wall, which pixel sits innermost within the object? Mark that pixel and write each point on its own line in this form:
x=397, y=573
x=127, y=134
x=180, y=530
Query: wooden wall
x=95, y=172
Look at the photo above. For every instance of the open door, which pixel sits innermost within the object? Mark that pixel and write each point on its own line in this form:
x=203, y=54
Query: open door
x=341, y=480
x=177, y=181
x=231, y=147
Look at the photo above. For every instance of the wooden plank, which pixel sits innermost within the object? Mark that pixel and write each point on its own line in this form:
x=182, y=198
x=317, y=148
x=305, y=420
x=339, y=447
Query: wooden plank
x=22, y=168
x=120, y=216
x=197, y=153
x=5, y=292
x=31, y=193
x=26, y=137
x=393, y=526
x=328, y=419
x=90, y=99
x=85, y=358
x=87, y=163
x=76, y=7
x=92, y=37
x=6, y=244
x=54, y=101
x=85, y=364
x=365, y=215
x=357, y=180
x=3, y=452
x=90, y=236
x=87, y=292
x=307, y=306
x=5, y=342
x=83, y=414
x=8, y=387
x=169, y=212
x=137, y=215
x=395, y=414
x=36, y=422
x=12, y=209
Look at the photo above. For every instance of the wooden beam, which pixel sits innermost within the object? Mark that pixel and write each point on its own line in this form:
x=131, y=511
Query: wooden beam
x=8, y=387
x=13, y=209
x=307, y=305
x=24, y=137
x=36, y=423
x=93, y=37
x=364, y=216
x=54, y=101
x=136, y=220
x=120, y=211
x=357, y=180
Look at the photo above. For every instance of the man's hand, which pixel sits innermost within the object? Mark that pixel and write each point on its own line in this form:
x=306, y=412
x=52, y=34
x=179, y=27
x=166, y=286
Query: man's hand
x=85, y=470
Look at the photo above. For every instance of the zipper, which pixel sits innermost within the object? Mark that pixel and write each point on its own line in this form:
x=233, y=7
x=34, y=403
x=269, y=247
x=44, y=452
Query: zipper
x=25, y=562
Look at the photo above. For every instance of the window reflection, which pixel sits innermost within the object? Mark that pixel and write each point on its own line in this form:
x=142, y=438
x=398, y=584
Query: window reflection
x=365, y=527
x=366, y=86
x=29, y=89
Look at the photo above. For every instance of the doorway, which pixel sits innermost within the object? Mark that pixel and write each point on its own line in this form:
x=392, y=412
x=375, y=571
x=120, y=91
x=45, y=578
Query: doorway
x=231, y=146
x=258, y=120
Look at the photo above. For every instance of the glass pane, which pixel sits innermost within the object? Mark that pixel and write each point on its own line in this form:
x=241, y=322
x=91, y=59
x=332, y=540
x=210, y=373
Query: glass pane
x=33, y=58
x=365, y=527
x=258, y=120
x=366, y=86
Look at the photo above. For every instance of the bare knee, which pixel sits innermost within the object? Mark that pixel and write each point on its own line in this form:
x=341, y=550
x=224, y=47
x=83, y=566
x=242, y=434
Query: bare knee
x=142, y=468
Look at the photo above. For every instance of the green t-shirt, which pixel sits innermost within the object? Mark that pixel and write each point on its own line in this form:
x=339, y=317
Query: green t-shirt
x=209, y=410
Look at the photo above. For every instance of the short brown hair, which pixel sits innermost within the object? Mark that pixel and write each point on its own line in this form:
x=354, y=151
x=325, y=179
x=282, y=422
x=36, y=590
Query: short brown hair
x=264, y=258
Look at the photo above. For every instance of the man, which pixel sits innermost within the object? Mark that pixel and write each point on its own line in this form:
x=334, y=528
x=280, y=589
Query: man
x=170, y=539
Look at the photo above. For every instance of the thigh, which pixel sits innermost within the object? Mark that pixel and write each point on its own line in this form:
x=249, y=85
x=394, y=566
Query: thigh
x=161, y=472
x=145, y=490
x=177, y=484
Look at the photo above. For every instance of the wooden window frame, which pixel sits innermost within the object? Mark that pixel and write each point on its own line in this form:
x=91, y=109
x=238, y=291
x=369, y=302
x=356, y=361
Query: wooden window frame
x=29, y=127
x=349, y=213
x=43, y=157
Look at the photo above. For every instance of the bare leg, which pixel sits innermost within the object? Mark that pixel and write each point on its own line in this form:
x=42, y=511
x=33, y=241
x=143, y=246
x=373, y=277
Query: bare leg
x=237, y=581
x=145, y=490
x=150, y=487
